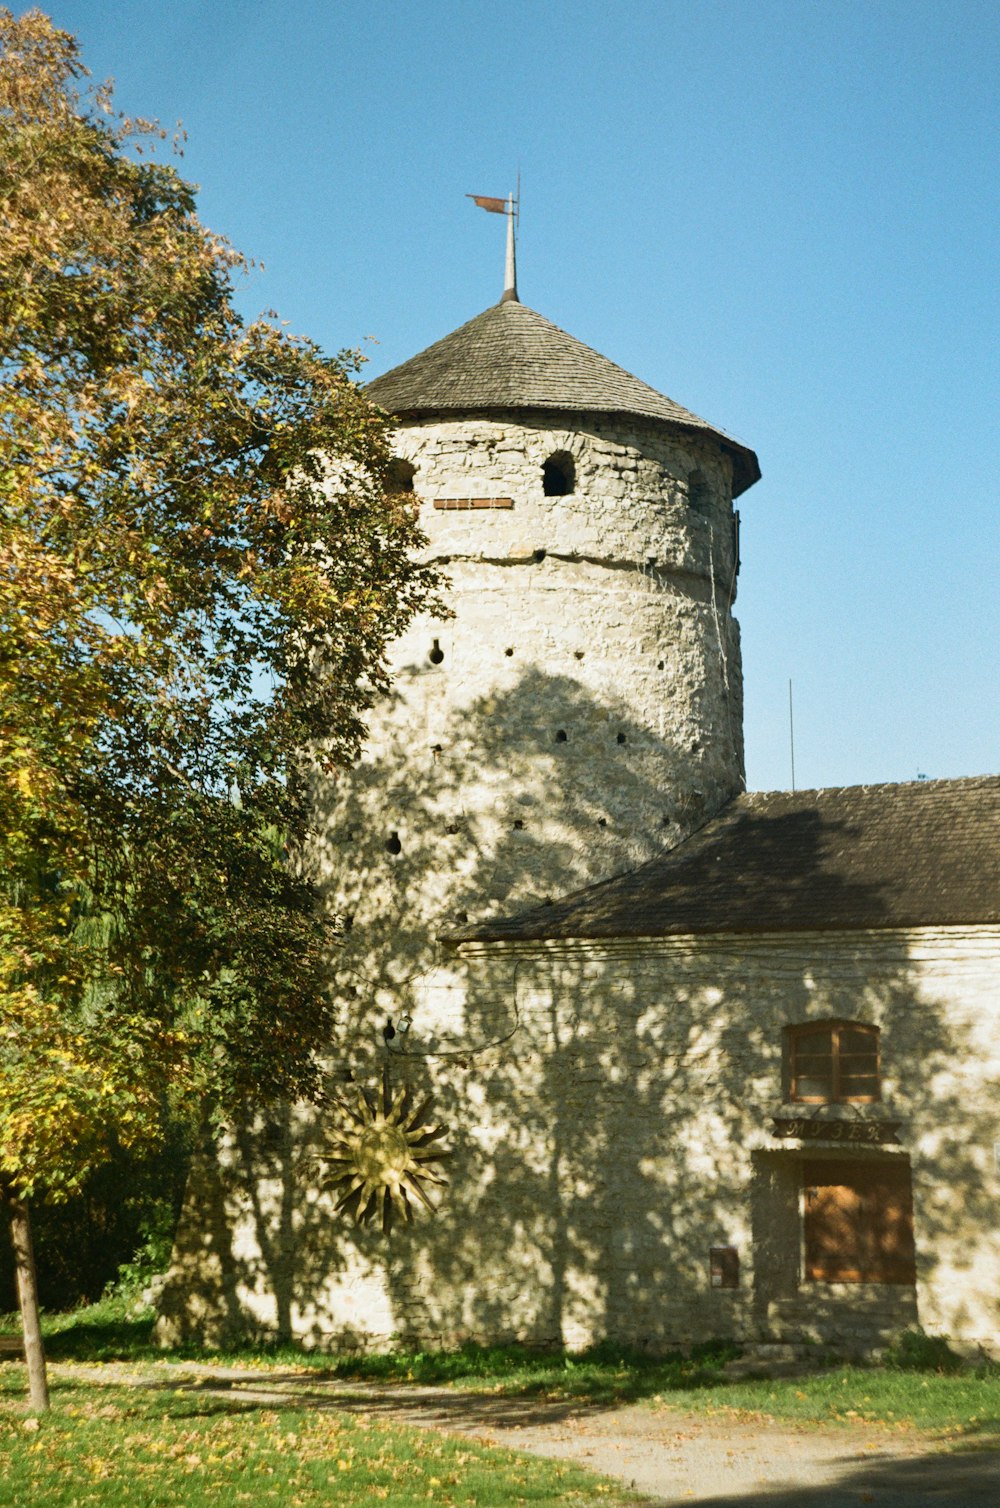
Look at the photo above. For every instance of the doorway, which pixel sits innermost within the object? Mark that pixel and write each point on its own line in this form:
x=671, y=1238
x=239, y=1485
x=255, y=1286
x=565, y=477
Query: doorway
x=858, y=1222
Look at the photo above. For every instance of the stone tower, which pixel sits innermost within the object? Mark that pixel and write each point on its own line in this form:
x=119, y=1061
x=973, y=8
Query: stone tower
x=579, y=712
x=582, y=709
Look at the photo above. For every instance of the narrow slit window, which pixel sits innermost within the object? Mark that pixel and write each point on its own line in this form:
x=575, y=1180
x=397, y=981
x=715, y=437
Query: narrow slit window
x=699, y=496
x=724, y=1266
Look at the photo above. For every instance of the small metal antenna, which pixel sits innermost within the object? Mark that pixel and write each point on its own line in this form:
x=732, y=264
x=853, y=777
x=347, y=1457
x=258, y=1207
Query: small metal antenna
x=791, y=731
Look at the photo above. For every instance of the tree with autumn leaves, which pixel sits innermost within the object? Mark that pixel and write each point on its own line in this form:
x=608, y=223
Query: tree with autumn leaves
x=200, y=567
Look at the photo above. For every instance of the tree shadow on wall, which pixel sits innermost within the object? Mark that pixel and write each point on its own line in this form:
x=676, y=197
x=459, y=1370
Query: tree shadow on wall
x=602, y=1104
x=254, y=1224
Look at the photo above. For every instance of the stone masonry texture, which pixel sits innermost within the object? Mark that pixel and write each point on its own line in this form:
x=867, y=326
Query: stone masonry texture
x=622, y=1129
x=609, y=1101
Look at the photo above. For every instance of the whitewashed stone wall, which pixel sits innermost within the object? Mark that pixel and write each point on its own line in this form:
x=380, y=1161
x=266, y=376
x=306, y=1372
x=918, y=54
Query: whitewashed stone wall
x=619, y=1126
x=609, y=1107
x=589, y=685
x=580, y=711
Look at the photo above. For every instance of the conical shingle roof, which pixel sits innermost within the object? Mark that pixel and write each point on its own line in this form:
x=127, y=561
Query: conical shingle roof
x=511, y=357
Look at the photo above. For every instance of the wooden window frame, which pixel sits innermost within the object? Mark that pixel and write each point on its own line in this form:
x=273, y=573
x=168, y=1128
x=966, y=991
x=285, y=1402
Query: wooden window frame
x=796, y=1034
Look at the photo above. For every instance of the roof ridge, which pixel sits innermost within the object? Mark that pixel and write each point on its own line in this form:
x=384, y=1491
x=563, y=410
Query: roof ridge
x=880, y=785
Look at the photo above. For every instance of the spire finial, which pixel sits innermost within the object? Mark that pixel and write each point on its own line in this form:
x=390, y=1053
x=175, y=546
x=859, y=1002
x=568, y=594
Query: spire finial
x=510, y=265
x=511, y=208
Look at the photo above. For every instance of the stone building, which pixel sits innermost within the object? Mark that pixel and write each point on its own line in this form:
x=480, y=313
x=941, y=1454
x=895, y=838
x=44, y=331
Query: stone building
x=775, y=1065
x=703, y=1063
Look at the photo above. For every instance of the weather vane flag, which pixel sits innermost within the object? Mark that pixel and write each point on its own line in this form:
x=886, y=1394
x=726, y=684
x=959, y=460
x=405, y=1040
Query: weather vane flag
x=511, y=208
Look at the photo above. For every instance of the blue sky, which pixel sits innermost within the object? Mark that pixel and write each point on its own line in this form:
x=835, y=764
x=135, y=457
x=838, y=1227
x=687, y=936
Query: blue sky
x=784, y=215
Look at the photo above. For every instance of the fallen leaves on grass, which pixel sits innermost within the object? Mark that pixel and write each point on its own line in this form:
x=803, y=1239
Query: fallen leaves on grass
x=185, y=1448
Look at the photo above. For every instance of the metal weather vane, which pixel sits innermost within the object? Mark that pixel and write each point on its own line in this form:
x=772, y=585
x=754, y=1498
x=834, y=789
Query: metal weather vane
x=511, y=207
x=381, y=1153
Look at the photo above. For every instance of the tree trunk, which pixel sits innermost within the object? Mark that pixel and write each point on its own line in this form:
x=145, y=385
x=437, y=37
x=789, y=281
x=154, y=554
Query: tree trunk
x=27, y=1295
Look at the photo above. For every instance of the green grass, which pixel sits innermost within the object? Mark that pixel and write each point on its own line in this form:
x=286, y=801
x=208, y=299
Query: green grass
x=953, y=1406
x=950, y=1405
x=605, y=1374
x=953, y=1409
x=160, y=1446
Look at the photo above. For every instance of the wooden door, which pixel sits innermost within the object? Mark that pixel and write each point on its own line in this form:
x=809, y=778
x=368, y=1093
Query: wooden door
x=858, y=1222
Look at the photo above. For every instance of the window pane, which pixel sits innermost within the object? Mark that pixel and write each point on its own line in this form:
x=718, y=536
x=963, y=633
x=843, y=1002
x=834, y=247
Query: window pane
x=859, y=1086
x=812, y=1089
x=816, y=1041
x=808, y=1066
x=812, y=1065
x=834, y=1062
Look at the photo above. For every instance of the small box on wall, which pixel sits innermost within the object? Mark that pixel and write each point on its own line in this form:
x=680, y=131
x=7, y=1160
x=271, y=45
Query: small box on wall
x=724, y=1266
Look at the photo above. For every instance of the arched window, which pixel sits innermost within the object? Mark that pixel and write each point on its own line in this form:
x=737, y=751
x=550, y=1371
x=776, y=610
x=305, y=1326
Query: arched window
x=833, y=1062
x=400, y=475
x=558, y=475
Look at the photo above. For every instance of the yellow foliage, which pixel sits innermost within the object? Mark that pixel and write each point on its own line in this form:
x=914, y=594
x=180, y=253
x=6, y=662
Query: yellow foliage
x=164, y=534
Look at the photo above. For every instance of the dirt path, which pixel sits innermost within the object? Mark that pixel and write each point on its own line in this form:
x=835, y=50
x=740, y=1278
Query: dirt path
x=671, y=1456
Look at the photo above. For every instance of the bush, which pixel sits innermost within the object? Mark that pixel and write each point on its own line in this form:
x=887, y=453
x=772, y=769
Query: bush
x=916, y=1351
x=119, y=1229
x=151, y=1256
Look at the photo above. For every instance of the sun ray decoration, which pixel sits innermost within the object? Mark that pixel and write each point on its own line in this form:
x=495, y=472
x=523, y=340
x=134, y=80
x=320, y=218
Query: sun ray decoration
x=381, y=1154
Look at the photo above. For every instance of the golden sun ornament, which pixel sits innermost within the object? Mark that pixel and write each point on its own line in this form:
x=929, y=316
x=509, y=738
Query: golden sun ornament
x=381, y=1153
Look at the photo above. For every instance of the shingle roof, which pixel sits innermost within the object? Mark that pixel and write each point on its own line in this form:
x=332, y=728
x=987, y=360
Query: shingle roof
x=510, y=357
x=919, y=854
